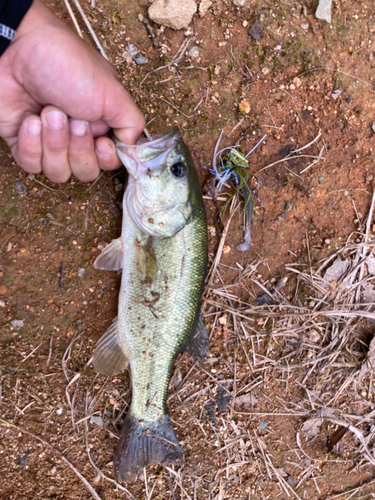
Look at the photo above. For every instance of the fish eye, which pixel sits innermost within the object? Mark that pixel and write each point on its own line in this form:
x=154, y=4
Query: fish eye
x=178, y=169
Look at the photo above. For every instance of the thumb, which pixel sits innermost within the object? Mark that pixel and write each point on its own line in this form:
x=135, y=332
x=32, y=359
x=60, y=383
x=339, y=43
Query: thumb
x=123, y=115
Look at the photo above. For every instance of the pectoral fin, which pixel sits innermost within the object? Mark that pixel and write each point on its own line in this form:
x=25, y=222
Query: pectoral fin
x=111, y=258
x=109, y=358
x=199, y=343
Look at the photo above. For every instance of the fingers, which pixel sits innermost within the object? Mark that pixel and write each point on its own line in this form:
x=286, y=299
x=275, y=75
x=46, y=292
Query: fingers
x=29, y=150
x=81, y=154
x=59, y=147
x=106, y=154
x=55, y=140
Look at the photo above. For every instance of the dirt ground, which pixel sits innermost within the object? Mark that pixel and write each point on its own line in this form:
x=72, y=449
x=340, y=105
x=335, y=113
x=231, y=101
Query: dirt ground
x=303, y=77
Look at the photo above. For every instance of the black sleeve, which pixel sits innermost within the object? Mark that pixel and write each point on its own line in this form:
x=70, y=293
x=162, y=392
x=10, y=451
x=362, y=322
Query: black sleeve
x=11, y=14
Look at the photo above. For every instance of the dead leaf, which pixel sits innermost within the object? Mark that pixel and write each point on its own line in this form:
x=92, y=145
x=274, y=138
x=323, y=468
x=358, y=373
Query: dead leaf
x=254, y=30
x=246, y=399
x=371, y=265
x=312, y=427
x=336, y=437
x=337, y=269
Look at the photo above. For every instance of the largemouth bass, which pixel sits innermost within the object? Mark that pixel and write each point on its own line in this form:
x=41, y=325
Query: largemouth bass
x=163, y=252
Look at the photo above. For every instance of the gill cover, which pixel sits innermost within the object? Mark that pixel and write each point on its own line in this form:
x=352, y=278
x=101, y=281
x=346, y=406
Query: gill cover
x=157, y=195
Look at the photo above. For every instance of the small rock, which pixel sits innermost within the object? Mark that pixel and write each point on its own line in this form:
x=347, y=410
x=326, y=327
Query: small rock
x=226, y=249
x=81, y=272
x=349, y=100
x=3, y=289
x=327, y=241
x=2, y=303
x=254, y=30
x=24, y=459
x=97, y=420
x=373, y=126
x=204, y=5
x=194, y=53
x=369, y=178
x=134, y=54
x=176, y=14
x=265, y=70
x=245, y=24
x=336, y=94
x=244, y=107
x=288, y=206
x=17, y=323
x=223, y=320
x=282, y=216
x=305, y=26
x=21, y=189
x=118, y=187
x=323, y=11
x=263, y=425
x=79, y=322
x=290, y=481
x=321, y=179
x=59, y=411
x=241, y=3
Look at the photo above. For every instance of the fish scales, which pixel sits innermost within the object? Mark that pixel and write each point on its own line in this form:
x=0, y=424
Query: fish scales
x=155, y=319
x=163, y=253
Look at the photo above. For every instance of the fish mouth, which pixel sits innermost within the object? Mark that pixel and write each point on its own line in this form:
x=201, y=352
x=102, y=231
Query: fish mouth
x=149, y=154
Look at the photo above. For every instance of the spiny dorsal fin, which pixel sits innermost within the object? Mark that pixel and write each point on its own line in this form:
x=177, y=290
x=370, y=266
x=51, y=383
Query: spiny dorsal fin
x=199, y=343
x=111, y=258
x=109, y=358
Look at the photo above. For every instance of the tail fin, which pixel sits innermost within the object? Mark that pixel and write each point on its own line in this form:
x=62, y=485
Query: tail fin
x=142, y=444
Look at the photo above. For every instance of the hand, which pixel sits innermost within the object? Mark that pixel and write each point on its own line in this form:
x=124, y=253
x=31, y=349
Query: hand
x=58, y=98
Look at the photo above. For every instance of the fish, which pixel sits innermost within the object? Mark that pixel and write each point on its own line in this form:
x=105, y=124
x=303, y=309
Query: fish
x=162, y=252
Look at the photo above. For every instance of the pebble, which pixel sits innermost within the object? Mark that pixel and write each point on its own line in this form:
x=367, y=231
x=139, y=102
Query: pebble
x=3, y=289
x=288, y=206
x=282, y=216
x=194, y=53
x=263, y=425
x=176, y=14
x=2, y=303
x=20, y=188
x=81, y=272
x=304, y=26
x=373, y=126
x=327, y=241
x=223, y=320
x=226, y=249
x=17, y=323
x=321, y=179
x=241, y=3
x=204, y=5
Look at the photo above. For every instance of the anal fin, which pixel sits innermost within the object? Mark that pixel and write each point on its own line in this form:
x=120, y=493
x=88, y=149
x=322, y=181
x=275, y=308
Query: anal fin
x=111, y=258
x=143, y=444
x=109, y=358
x=199, y=343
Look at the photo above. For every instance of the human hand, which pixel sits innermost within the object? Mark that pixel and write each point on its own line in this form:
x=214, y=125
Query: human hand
x=58, y=98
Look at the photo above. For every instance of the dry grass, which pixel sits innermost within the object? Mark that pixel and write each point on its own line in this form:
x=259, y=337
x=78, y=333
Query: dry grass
x=311, y=338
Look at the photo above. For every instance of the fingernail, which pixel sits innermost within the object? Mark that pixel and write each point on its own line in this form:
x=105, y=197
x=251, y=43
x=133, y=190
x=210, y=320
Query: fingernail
x=34, y=127
x=55, y=120
x=104, y=150
x=78, y=127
